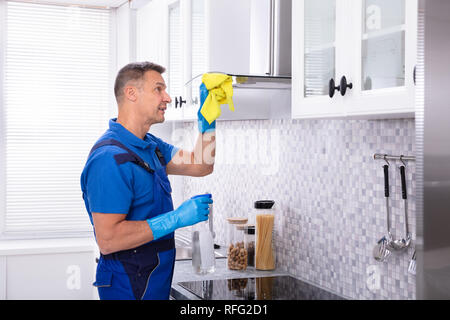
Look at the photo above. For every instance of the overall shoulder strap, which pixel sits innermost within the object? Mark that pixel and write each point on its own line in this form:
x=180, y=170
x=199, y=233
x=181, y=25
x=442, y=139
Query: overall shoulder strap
x=160, y=157
x=121, y=158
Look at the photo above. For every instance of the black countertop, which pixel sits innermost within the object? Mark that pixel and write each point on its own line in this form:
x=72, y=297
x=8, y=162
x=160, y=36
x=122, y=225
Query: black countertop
x=282, y=287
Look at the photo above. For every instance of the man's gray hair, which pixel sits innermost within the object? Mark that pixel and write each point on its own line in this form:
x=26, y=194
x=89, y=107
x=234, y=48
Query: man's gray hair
x=135, y=72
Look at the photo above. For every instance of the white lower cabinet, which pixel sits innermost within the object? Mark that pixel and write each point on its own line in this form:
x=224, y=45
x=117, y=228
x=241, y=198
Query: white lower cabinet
x=48, y=273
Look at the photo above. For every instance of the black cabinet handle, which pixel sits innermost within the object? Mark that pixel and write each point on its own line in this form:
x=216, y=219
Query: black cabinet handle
x=179, y=101
x=403, y=178
x=344, y=85
x=386, y=180
x=182, y=101
x=332, y=88
x=414, y=75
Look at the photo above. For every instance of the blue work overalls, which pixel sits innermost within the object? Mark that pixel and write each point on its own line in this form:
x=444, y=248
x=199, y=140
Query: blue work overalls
x=145, y=272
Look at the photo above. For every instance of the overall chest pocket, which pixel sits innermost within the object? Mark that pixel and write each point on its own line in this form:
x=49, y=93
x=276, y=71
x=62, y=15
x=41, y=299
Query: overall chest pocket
x=163, y=180
x=144, y=186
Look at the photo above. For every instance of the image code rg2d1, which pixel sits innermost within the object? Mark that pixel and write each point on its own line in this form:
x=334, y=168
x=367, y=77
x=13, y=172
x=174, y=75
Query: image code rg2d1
x=227, y=309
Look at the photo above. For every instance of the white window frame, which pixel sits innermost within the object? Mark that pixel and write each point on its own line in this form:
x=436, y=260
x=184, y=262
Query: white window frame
x=112, y=111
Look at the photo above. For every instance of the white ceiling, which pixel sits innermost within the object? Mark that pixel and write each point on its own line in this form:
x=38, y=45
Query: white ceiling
x=99, y=3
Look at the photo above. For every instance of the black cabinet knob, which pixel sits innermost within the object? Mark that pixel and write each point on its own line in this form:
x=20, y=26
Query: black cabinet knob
x=182, y=101
x=344, y=85
x=332, y=88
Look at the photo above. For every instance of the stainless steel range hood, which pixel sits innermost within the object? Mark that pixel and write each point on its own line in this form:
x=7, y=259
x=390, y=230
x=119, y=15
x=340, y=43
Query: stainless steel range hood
x=261, y=82
x=250, y=40
x=247, y=81
x=255, y=49
x=270, y=44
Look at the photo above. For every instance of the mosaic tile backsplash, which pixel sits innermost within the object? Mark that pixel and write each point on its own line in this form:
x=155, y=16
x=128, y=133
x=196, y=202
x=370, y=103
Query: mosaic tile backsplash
x=329, y=196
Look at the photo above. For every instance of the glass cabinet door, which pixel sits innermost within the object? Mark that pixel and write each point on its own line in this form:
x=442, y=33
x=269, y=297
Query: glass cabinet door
x=383, y=44
x=319, y=46
x=368, y=47
x=316, y=51
x=383, y=57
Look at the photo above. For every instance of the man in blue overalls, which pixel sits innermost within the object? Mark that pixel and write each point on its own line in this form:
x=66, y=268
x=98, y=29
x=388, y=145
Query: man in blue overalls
x=127, y=193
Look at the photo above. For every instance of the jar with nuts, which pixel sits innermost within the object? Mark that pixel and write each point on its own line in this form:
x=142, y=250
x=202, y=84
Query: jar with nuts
x=237, y=253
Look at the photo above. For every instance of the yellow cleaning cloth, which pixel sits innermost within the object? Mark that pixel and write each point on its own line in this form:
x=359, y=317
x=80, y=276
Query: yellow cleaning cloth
x=220, y=87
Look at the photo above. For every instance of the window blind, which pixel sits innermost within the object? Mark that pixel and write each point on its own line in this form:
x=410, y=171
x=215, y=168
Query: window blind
x=57, y=98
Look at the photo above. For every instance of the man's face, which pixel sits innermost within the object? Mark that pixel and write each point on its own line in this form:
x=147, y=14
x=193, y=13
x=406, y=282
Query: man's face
x=153, y=98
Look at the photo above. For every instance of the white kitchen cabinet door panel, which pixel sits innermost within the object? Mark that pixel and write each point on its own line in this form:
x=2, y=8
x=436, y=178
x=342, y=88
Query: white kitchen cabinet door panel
x=372, y=43
x=317, y=29
x=50, y=276
x=158, y=29
x=384, y=52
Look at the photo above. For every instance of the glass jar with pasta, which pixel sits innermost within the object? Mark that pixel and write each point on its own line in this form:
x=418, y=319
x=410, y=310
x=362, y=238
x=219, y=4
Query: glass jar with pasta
x=264, y=249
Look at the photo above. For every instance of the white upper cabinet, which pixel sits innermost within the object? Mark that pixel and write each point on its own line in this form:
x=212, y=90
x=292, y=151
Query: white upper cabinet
x=187, y=53
x=353, y=58
x=164, y=35
x=175, y=59
x=153, y=34
x=384, y=48
x=315, y=59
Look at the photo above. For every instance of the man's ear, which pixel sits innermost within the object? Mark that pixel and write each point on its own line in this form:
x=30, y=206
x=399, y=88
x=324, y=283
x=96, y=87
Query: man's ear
x=130, y=93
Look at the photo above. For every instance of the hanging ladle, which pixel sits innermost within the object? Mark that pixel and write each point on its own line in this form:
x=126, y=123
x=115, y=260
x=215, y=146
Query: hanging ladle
x=404, y=243
x=386, y=195
x=397, y=244
x=392, y=244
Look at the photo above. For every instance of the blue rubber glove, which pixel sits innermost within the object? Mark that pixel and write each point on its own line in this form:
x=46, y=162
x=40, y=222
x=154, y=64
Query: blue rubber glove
x=188, y=213
x=203, y=125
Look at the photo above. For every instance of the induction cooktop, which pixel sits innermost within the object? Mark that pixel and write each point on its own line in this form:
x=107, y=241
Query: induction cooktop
x=261, y=288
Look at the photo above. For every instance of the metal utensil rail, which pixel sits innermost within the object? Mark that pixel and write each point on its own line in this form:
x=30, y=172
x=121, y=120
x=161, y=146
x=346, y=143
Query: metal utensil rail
x=386, y=245
x=379, y=156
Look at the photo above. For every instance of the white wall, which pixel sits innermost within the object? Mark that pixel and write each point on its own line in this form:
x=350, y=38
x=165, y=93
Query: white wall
x=56, y=269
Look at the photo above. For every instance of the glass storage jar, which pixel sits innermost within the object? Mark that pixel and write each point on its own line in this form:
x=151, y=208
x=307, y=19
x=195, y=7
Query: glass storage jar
x=264, y=249
x=236, y=253
x=249, y=245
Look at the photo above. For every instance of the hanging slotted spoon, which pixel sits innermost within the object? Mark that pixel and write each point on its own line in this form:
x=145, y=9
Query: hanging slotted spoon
x=381, y=251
